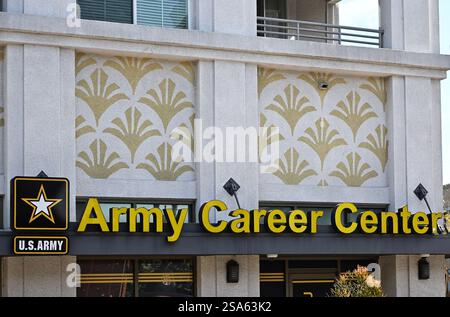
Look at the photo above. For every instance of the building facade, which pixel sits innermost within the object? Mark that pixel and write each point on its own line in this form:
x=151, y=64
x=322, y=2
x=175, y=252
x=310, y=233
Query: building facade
x=98, y=103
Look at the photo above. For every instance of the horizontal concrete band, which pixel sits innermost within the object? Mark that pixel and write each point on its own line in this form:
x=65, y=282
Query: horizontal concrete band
x=128, y=39
x=194, y=242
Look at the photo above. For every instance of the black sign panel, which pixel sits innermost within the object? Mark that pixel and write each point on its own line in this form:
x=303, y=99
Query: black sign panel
x=32, y=245
x=40, y=204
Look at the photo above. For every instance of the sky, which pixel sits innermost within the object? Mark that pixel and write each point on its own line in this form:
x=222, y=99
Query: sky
x=365, y=14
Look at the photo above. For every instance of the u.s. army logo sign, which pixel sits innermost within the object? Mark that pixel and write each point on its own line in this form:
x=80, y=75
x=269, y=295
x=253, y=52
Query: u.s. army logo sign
x=40, y=204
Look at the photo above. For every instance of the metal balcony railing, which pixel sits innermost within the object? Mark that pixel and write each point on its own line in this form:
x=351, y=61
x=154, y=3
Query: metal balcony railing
x=320, y=32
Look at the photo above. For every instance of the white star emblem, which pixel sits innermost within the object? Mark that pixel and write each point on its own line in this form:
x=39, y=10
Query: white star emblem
x=42, y=206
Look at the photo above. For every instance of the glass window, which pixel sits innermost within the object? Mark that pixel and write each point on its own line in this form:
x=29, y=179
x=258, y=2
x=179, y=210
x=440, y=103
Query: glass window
x=272, y=278
x=120, y=11
x=164, y=278
x=107, y=206
x=106, y=278
x=162, y=13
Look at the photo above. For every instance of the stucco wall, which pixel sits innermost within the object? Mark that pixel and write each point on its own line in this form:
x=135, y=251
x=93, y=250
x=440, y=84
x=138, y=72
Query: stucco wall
x=331, y=137
x=127, y=110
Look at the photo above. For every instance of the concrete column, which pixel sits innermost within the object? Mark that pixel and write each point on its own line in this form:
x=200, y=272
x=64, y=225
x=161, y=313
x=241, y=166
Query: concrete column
x=39, y=135
x=235, y=105
x=399, y=276
x=37, y=276
x=225, y=16
x=396, y=124
x=211, y=280
x=413, y=118
x=411, y=25
x=204, y=110
x=421, y=103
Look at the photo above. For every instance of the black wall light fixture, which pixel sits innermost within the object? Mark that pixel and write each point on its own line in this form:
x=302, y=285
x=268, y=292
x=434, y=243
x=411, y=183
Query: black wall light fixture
x=232, y=272
x=423, y=268
x=421, y=192
x=231, y=186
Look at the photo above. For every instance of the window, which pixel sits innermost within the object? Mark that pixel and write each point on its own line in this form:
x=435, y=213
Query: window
x=302, y=277
x=120, y=11
x=161, y=13
x=136, y=278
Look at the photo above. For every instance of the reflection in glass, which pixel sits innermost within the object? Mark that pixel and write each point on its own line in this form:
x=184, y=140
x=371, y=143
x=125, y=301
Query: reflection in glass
x=106, y=278
x=165, y=278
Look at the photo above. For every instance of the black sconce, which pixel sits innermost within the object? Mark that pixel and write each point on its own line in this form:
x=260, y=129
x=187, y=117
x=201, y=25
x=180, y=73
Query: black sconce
x=424, y=268
x=421, y=192
x=232, y=272
x=231, y=186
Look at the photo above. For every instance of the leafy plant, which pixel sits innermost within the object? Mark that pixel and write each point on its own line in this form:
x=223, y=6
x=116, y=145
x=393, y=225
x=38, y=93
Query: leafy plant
x=352, y=114
x=167, y=103
x=132, y=132
x=100, y=96
x=99, y=166
x=357, y=283
x=292, y=107
x=133, y=68
x=355, y=173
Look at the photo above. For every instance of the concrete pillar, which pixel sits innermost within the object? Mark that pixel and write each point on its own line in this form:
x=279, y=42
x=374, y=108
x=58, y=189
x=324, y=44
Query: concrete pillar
x=413, y=118
x=225, y=16
x=39, y=114
x=399, y=276
x=37, y=276
x=396, y=124
x=211, y=279
x=235, y=105
x=411, y=25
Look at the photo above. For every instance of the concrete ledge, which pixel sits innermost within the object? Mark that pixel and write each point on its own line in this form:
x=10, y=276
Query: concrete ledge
x=115, y=38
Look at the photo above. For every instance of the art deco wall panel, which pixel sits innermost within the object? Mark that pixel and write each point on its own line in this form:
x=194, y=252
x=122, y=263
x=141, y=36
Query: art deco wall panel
x=334, y=136
x=128, y=110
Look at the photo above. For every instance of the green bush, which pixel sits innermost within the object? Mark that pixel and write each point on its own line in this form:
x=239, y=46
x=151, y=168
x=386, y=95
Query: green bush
x=357, y=283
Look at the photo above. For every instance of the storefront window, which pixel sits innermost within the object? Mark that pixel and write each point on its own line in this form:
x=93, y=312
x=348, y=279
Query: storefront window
x=302, y=277
x=136, y=277
x=171, y=278
x=106, y=278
